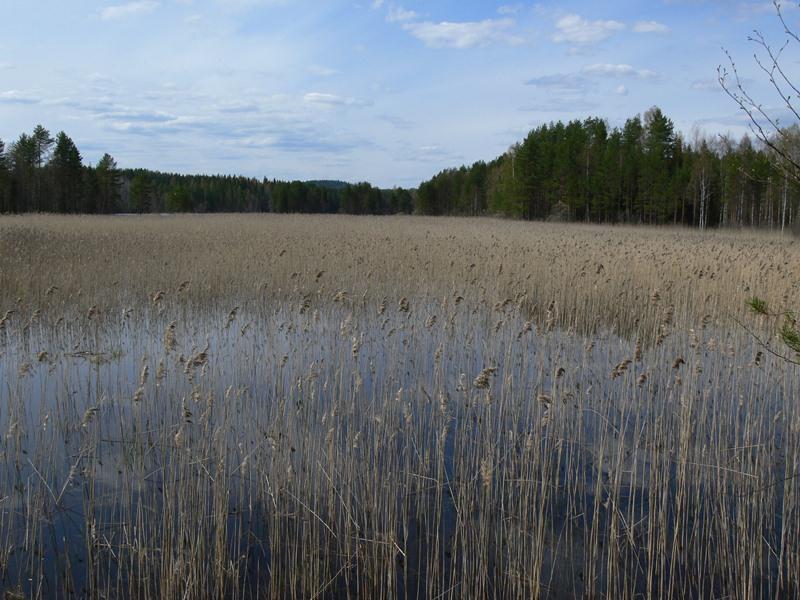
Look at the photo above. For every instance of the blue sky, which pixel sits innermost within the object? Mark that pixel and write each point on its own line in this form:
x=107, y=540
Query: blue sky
x=377, y=90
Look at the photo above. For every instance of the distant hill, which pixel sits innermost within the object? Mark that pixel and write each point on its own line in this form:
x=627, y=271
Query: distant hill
x=331, y=184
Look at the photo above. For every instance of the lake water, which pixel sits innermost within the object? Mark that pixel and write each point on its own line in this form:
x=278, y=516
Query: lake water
x=334, y=449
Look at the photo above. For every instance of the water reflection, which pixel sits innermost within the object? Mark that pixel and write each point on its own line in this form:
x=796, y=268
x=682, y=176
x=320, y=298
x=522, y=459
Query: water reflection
x=347, y=450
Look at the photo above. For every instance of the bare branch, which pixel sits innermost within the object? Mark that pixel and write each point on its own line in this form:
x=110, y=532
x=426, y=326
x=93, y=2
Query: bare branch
x=766, y=127
x=774, y=58
x=786, y=28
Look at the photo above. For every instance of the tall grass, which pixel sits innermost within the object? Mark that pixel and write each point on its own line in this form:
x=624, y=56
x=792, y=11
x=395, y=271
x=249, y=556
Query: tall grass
x=308, y=407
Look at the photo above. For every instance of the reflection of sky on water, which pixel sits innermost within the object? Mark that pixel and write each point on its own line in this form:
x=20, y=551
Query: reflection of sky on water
x=71, y=424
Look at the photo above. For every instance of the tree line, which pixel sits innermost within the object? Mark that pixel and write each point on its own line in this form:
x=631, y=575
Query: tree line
x=40, y=173
x=643, y=172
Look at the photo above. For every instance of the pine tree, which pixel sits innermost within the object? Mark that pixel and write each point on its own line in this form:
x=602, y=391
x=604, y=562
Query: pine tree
x=67, y=172
x=612, y=207
x=108, y=184
x=42, y=143
x=659, y=151
x=596, y=140
x=23, y=173
x=632, y=137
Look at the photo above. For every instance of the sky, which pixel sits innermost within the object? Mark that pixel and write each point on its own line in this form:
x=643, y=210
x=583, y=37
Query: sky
x=370, y=90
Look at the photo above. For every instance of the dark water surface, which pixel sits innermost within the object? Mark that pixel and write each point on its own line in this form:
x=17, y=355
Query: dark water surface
x=343, y=452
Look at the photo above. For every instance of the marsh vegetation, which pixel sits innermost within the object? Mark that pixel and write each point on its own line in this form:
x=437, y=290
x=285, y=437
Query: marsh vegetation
x=334, y=407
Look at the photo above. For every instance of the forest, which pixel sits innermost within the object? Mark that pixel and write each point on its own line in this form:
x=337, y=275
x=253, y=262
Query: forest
x=40, y=173
x=644, y=172
x=583, y=170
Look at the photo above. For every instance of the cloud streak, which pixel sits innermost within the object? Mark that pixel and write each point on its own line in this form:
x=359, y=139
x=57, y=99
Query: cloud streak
x=130, y=9
x=467, y=34
x=398, y=14
x=17, y=97
x=619, y=70
x=332, y=100
x=570, y=83
x=574, y=29
x=650, y=27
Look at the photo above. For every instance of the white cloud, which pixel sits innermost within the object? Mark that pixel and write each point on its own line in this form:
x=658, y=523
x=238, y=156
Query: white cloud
x=237, y=107
x=399, y=14
x=132, y=115
x=463, y=35
x=574, y=29
x=130, y=9
x=621, y=70
x=17, y=97
x=562, y=83
x=330, y=100
x=621, y=90
x=650, y=27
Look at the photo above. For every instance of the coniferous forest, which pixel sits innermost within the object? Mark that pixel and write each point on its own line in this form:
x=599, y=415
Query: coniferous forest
x=42, y=173
x=643, y=172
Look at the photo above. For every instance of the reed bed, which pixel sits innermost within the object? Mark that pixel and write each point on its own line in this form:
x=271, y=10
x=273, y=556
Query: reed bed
x=342, y=407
